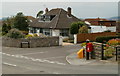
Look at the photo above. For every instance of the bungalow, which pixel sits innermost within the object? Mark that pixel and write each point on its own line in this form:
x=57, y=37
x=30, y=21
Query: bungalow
x=101, y=25
x=55, y=22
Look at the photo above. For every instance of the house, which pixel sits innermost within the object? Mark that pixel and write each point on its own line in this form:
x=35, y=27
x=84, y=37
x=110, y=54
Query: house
x=55, y=22
x=95, y=21
x=101, y=25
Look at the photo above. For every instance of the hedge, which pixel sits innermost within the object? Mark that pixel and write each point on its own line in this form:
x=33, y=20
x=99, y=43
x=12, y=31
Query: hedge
x=105, y=38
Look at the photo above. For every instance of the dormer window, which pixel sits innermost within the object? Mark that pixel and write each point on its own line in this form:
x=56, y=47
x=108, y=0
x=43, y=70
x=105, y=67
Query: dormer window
x=42, y=18
x=47, y=18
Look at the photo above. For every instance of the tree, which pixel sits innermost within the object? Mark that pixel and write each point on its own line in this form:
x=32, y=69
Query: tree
x=15, y=33
x=7, y=25
x=83, y=29
x=5, y=28
x=75, y=27
x=21, y=22
x=39, y=13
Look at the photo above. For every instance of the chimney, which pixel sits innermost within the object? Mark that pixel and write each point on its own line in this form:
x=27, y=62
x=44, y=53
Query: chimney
x=69, y=11
x=46, y=10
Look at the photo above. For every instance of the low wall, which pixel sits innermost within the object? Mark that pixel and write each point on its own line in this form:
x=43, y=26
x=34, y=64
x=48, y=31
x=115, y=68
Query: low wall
x=33, y=42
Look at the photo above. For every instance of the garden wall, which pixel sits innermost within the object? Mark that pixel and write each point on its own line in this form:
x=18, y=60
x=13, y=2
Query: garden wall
x=93, y=36
x=33, y=42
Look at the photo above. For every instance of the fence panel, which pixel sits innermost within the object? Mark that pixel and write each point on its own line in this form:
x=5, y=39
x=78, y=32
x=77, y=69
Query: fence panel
x=93, y=36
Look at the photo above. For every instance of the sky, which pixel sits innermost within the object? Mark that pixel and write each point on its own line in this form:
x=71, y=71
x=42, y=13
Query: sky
x=86, y=9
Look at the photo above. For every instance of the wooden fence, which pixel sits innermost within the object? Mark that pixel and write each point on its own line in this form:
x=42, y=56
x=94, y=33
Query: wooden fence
x=93, y=36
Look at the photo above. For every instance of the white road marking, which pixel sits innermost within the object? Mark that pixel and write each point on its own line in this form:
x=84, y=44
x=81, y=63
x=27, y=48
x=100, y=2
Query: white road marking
x=8, y=54
x=12, y=55
x=33, y=59
x=61, y=63
x=54, y=57
x=17, y=56
x=3, y=53
x=9, y=64
x=32, y=53
x=51, y=62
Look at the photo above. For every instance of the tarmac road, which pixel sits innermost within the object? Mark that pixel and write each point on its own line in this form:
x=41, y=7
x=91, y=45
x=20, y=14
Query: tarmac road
x=48, y=60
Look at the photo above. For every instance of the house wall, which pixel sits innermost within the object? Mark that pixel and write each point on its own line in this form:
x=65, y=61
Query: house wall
x=113, y=29
x=55, y=32
x=95, y=29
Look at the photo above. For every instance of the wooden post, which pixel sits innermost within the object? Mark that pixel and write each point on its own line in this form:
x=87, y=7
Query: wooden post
x=116, y=54
x=102, y=52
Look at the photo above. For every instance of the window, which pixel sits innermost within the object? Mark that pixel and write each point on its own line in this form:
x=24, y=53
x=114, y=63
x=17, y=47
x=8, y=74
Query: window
x=41, y=30
x=42, y=18
x=47, y=32
x=47, y=18
x=34, y=30
x=64, y=32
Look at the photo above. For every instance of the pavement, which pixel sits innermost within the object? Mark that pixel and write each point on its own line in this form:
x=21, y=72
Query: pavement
x=74, y=60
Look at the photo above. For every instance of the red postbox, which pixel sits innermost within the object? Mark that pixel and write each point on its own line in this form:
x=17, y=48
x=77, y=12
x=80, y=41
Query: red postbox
x=89, y=47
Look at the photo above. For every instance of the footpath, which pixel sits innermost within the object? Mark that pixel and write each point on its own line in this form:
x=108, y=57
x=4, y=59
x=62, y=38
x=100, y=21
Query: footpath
x=74, y=60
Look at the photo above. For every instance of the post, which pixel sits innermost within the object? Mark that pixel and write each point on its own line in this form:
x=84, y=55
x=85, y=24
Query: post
x=75, y=38
x=87, y=53
x=60, y=40
x=102, y=52
x=116, y=54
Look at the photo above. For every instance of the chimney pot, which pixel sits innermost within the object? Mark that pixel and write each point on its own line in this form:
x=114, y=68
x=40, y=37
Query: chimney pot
x=46, y=10
x=69, y=11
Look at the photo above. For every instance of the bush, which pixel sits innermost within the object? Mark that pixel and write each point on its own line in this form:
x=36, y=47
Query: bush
x=28, y=36
x=74, y=29
x=109, y=52
x=35, y=35
x=114, y=42
x=15, y=33
x=65, y=39
x=106, y=38
x=83, y=29
x=83, y=44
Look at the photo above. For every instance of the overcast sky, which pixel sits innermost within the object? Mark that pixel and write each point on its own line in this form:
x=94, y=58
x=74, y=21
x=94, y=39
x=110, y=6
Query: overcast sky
x=79, y=9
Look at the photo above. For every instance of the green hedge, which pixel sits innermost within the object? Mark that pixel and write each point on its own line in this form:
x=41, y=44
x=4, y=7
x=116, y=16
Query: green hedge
x=105, y=38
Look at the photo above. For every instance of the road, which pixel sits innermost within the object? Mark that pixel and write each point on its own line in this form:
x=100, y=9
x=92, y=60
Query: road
x=48, y=60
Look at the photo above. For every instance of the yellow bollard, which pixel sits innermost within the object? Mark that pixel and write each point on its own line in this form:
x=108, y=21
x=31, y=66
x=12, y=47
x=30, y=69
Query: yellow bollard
x=80, y=53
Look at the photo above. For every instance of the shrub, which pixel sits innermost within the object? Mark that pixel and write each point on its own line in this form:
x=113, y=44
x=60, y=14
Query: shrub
x=28, y=36
x=105, y=38
x=83, y=29
x=35, y=35
x=74, y=29
x=114, y=42
x=83, y=44
x=109, y=52
x=65, y=39
x=15, y=33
